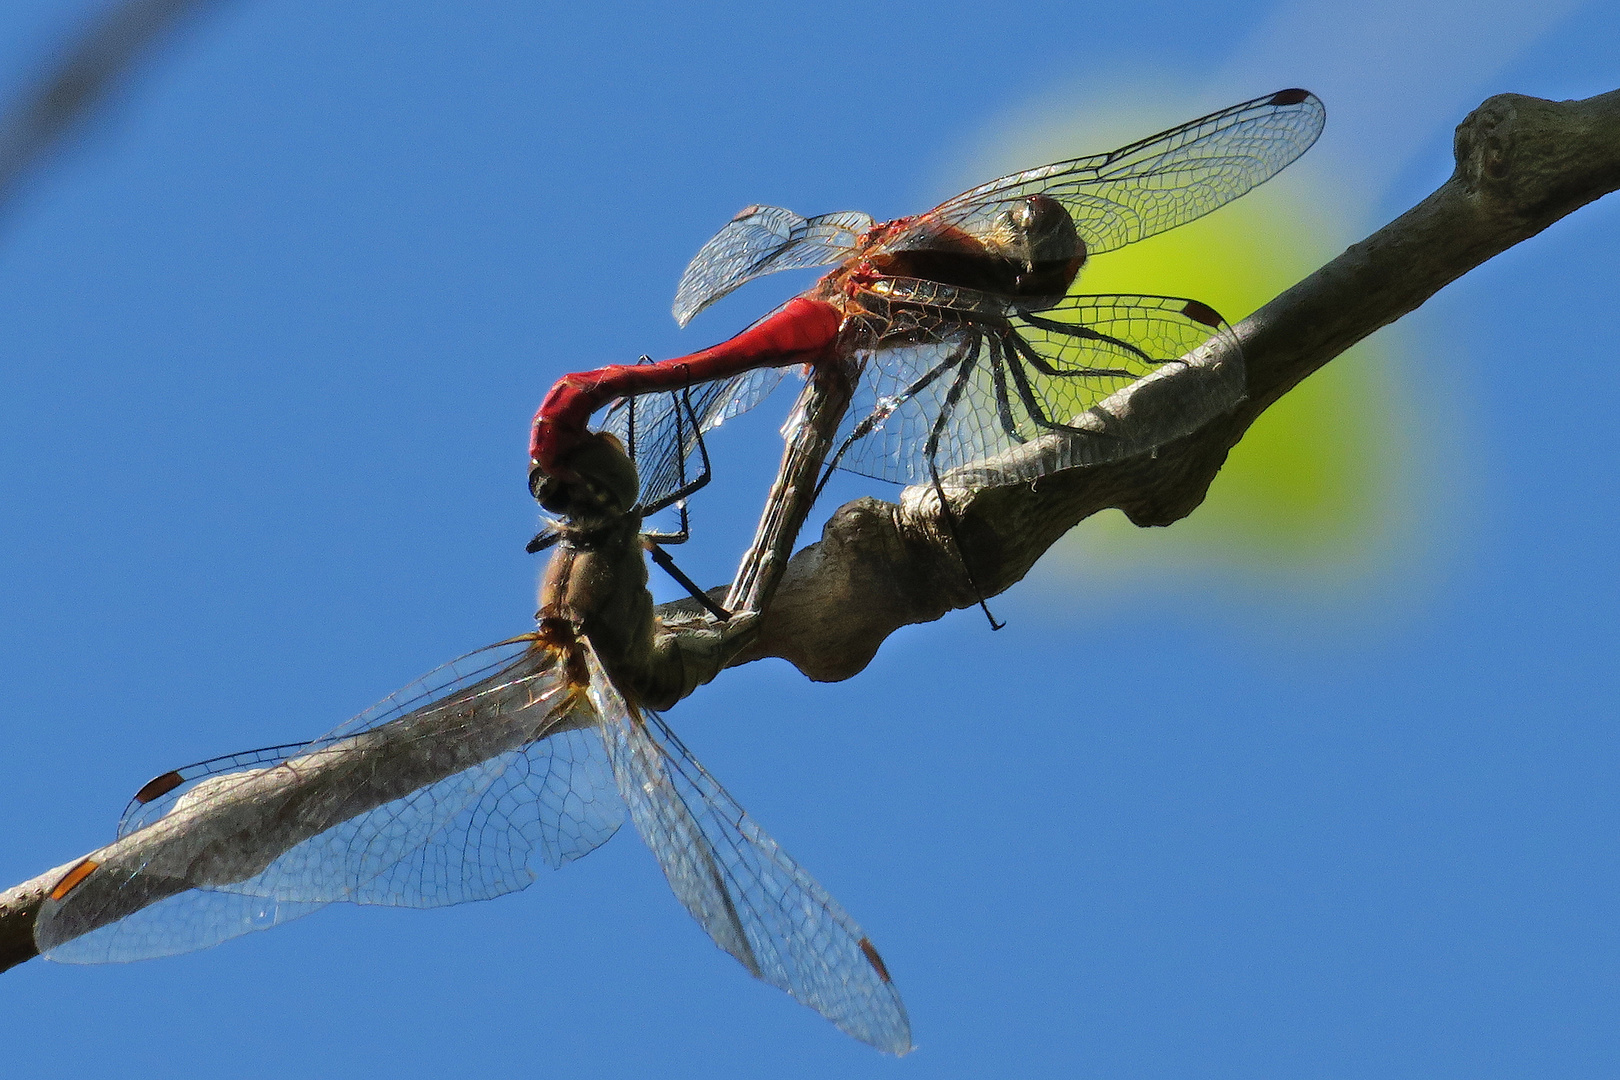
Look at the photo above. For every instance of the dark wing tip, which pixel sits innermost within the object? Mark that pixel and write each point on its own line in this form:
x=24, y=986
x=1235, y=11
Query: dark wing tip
x=158, y=785
x=874, y=959
x=1200, y=312
x=1289, y=97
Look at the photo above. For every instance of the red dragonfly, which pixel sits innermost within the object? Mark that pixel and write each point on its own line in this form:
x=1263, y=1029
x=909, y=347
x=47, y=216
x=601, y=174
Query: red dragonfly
x=957, y=324
x=964, y=342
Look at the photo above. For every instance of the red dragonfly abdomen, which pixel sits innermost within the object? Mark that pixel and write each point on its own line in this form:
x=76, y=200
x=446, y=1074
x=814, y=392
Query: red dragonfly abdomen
x=800, y=332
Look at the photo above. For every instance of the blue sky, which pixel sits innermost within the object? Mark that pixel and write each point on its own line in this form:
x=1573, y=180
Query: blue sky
x=271, y=338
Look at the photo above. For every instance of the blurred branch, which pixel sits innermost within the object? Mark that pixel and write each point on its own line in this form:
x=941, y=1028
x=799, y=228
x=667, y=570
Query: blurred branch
x=85, y=74
x=83, y=77
x=1522, y=163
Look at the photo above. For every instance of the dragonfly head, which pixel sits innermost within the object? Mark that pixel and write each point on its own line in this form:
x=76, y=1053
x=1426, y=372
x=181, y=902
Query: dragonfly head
x=1038, y=234
x=596, y=479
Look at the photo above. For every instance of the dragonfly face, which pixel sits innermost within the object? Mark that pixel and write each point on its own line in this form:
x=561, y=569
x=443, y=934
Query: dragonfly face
x=600, y=481
x=1039, y=235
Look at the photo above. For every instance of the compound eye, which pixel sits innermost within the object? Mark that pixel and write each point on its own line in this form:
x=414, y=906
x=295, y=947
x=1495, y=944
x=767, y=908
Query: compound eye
x=1048, y=230
x=1048, y=245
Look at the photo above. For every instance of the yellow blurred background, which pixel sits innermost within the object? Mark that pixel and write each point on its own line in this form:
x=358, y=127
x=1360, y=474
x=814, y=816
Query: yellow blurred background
x=1320, y=495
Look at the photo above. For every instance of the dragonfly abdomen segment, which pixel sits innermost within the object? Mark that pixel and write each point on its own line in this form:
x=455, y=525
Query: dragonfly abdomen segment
x=801, y=331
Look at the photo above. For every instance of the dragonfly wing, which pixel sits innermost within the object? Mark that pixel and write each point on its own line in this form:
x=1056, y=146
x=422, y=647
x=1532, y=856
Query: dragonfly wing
x=938, y=391
x=442, y=794
x=662, y=429
x=762, y=240
x=1159, y=182
x=752, y=899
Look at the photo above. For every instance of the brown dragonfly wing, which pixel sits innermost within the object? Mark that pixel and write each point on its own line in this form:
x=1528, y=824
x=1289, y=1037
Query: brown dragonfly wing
x=746, y=892
x=451, y=790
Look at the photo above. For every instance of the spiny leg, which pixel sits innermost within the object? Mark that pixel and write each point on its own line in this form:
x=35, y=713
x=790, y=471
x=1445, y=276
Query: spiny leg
x=652, y=540
x=1082, y=333
x=947, y=515
x=1019, y=353
x=872, y=421
x=998, y=377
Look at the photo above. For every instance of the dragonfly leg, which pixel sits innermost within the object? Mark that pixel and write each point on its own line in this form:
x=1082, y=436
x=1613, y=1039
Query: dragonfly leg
x=1018, y=352
x=875, y=419
x=667, y=565
x=686, y=487
x=680, y=536
x=946, y=514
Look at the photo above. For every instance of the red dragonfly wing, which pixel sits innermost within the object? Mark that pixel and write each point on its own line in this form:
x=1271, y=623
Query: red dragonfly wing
x=1155, y=183
x=443, y=793
x=661, y=430
x=752, y=899
x=762, y=240
x=966, y=380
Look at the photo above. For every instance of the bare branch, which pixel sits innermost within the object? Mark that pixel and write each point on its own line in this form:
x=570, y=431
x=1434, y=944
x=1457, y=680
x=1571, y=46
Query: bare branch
x=1522, y=163
x=18, y=906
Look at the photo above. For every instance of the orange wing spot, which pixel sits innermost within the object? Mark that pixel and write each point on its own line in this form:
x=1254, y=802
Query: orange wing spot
x=158, y=785
x=73, y=877
x=874, y=959
x=1203, y=313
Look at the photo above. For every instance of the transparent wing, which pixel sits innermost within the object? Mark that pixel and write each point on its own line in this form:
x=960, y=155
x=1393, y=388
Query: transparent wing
x=761, y=240
x=947, y=385
x=443, y=793
x=752, y=899
x=1156, y=183
x=662, y=430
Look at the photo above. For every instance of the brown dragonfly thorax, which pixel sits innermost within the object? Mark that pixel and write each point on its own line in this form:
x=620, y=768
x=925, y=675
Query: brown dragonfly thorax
x=595, y=585
x=1030, y=250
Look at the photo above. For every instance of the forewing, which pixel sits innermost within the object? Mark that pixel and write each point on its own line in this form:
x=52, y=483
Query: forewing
x=940, y=390
x=761, y=240
x=752, y=899
x=1159, y=182
x=442, y=794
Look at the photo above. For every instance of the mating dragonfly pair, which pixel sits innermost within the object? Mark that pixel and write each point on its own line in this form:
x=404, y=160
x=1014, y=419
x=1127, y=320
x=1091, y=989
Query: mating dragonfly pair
x=954, y=340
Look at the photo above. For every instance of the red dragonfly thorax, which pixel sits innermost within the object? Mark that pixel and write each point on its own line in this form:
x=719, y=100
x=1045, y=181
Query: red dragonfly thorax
x=1030, y=251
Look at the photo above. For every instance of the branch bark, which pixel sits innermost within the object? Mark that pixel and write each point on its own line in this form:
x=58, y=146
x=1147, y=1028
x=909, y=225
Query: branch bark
x=1522, y=163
